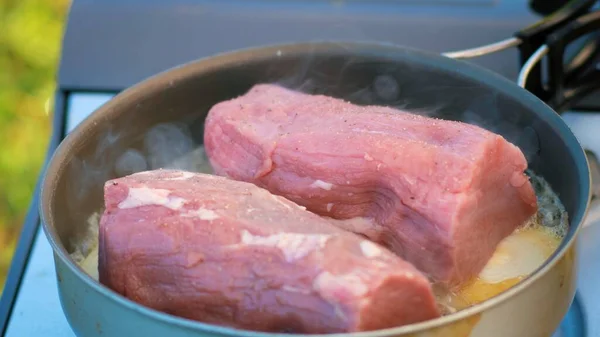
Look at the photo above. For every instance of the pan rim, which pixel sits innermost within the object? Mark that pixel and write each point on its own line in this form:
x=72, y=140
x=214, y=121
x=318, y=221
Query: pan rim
x=197, y=67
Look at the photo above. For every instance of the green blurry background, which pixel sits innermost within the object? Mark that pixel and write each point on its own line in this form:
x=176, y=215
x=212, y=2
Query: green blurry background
x=30, y=39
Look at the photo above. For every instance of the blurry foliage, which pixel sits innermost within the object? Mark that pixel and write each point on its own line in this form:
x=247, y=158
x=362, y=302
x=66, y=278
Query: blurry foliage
x=30, y=39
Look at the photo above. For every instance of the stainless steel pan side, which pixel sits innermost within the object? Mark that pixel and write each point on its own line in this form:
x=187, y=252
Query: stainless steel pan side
x=446, y=88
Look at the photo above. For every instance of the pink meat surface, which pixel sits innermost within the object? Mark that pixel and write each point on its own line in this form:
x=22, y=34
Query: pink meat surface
x=441, y=194
x=230, y=253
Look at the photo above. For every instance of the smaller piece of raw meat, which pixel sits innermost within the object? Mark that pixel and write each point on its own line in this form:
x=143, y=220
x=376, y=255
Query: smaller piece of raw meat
x=230, y=253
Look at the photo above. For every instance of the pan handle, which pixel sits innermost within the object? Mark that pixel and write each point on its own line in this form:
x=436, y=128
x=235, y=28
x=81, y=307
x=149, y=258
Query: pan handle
x=594, y=172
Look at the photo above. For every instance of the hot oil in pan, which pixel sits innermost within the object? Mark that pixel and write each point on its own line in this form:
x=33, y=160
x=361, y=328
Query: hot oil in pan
x=519, y=255
x=515, y=258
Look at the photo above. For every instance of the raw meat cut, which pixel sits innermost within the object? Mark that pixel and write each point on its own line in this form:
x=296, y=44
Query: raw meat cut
x=441, y=194
x=230, y=253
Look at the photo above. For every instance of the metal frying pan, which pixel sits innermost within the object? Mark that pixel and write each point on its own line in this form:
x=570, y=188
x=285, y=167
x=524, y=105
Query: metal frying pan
x=72, y=189
x=365, y=73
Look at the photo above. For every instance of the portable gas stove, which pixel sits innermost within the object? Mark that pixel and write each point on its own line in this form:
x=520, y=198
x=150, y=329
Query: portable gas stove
x=112, y=44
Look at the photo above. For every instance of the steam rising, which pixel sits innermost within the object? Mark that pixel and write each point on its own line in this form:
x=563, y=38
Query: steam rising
x=130, y=162
x=484, y=111
x=377, y=79
x=165, y=143
x=385, y=80
x=177, y=145
x=386, y=88
x=166, y=146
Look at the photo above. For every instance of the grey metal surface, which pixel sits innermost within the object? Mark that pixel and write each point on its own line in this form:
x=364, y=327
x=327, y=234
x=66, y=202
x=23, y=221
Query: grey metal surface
x=114, y=44
x=37, y=311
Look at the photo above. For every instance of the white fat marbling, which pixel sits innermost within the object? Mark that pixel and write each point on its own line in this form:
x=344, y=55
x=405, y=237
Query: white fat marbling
x=322, y=184
x=294, y=246
x=184, y=175
x=295, y=290
x=331, y=286
x=142, y=173
x=202, y=214
x=280, y=200
x=144, y=196
x=369, y=249
x=369, y=131
x=329, y=207
x=368, y=157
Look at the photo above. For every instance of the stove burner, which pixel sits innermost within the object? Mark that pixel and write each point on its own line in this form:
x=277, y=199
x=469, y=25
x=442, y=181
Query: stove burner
x=546, y=7
x=567, y=77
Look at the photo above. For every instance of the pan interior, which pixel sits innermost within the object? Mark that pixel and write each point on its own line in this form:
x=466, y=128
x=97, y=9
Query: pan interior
x=362, y=74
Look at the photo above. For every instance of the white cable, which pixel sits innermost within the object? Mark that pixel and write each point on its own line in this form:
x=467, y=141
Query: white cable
x=484, y=50
x=531, y=62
